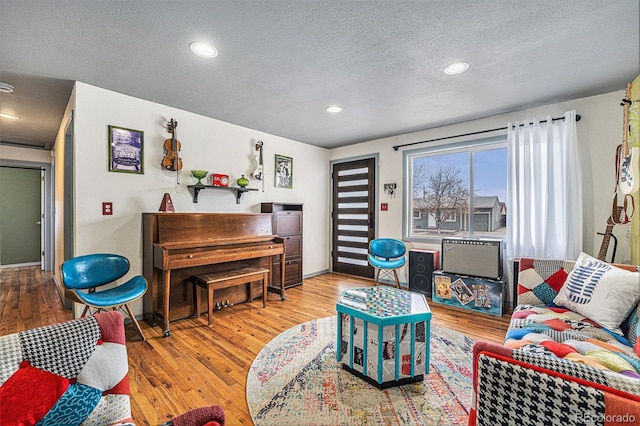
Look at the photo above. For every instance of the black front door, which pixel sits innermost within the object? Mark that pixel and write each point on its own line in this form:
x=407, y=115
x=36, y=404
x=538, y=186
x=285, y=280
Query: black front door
x=353, y=216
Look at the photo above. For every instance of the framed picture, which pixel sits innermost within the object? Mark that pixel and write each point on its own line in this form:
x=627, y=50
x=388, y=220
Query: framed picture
x=461, y=291
x=284, y=172
x=126, y=147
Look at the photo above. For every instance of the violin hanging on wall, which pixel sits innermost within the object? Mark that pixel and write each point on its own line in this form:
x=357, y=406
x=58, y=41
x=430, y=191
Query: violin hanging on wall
x=172, y=147
x=258, y=173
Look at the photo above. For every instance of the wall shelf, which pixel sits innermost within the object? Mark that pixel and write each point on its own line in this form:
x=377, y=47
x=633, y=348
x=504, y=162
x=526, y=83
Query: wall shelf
x=239, y=191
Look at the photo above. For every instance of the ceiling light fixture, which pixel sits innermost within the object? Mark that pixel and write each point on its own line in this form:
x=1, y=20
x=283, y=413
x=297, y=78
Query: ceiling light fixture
x=204, y=50
x=5, y=87
x=456, y=68
x=333, y=109
x=9, y=116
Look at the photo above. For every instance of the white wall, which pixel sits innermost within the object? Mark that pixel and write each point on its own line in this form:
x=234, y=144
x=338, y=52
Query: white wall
x=25, y=154
x=59, y=190
x=225, y=148
x=599, y=132
x=209, y=144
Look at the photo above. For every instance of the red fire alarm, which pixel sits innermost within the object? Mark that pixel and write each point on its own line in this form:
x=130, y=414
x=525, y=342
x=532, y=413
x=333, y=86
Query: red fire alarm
x=384, y=207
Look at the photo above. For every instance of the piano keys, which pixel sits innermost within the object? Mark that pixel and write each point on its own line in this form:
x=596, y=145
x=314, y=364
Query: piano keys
x=177, y=246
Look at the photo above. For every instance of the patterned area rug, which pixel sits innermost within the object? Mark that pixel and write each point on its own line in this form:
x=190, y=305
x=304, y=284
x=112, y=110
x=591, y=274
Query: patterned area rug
x=296, y=380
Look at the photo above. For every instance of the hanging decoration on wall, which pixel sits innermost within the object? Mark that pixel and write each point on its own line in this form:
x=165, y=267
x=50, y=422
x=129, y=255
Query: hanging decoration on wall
x=258, y=173
x=284, y=172
x=126, y=150
x=172, y=147
x=627, y=169
x=390, y=188
x=629, y=176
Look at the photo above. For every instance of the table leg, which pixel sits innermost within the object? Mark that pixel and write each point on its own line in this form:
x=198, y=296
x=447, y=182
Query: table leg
x=339, y=337
x=196, y=298
x=265, y=285
x=282, y=269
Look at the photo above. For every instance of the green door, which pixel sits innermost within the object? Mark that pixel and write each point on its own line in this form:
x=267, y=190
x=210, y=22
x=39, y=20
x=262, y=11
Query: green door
x=20, y=215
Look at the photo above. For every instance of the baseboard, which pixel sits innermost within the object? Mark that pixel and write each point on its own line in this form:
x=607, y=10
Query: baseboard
x=313, y=274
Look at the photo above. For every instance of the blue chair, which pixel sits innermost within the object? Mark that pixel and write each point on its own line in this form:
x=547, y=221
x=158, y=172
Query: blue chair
x=387, y=255
x=83, y=275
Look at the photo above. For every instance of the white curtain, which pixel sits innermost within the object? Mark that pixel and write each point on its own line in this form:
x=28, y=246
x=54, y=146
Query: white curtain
x=544, y=200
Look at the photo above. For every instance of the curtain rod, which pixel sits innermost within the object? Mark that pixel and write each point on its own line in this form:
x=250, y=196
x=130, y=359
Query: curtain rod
x=395, y=148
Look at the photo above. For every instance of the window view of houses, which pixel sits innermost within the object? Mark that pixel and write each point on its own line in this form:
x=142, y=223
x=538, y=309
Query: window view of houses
x=442, y=183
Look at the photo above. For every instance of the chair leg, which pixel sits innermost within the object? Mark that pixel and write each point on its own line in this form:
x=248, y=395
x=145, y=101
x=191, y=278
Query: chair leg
x=377, y=276
x=84, y=312
x=209, y=304
x=395, y=275
x=135, y=321
x=196, y=299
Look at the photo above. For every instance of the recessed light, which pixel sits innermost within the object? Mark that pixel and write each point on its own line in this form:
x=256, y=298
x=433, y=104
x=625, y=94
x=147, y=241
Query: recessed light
x=5, y=87
x=203, y=49
x=456, y=68
x=9, y=116
x=333, y=109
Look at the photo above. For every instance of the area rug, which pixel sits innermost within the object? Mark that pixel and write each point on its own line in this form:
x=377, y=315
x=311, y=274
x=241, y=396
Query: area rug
x=296, y=380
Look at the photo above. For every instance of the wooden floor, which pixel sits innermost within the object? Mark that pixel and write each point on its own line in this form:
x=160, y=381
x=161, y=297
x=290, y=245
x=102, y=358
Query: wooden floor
x=197, y=365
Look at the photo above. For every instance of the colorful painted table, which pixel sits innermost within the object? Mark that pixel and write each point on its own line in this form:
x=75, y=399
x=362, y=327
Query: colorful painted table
x=383, y=335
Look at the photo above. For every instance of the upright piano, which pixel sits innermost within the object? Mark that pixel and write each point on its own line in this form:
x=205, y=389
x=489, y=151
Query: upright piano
x=177, y=246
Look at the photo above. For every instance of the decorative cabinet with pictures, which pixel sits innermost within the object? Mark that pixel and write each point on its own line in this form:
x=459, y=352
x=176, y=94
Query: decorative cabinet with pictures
x=476, y=294
x=287, y=224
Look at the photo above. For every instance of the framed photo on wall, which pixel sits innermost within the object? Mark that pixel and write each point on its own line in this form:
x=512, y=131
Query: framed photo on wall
x=126, y=149
x=284, y=172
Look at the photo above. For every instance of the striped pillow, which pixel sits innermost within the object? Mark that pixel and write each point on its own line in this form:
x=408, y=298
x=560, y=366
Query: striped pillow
x=601, y=292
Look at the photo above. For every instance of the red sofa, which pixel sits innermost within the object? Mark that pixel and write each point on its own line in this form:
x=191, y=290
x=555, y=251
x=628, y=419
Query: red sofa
x=557, y=366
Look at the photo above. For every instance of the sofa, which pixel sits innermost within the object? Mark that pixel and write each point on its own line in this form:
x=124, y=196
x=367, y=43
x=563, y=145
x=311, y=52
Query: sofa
x=75, y=373
x=71, y=373
x=571, y=355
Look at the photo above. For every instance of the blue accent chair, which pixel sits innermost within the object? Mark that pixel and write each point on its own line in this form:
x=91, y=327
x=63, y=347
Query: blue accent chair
x=387, y=255
x=83, y=275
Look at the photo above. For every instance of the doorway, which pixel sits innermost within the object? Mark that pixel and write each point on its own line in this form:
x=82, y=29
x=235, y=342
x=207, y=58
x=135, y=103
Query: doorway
x=21, y=216
x=353, y=216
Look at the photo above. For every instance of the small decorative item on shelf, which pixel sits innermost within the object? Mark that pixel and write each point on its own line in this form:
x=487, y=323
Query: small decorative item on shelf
x=166, y=205
x=242, y=181
x=199, y=174
x=219, y=180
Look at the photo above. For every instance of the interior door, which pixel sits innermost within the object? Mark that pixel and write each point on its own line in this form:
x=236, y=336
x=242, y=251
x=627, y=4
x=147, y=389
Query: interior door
x=20, y=216
x=353, y=216
x=43, y=197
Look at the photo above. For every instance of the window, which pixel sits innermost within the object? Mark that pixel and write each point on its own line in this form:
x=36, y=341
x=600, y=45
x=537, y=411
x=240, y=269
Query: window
x=440, y=180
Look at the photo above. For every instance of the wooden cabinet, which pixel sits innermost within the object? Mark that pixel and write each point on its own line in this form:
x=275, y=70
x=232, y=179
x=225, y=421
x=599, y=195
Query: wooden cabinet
x=287, y=224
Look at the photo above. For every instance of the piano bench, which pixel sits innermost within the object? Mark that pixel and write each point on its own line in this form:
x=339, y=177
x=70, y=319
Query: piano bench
x=229, y=278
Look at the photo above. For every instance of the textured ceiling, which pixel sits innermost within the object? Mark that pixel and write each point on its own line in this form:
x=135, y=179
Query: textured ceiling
x=282, y=61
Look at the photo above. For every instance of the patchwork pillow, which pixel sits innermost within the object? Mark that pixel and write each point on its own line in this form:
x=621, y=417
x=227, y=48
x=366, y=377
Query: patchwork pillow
x=601, y=292
x=539, y=281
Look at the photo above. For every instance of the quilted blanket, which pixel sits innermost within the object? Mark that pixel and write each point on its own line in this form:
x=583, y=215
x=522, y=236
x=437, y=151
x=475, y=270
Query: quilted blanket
x=71, y=373
x=540, y=327
x=560, y=332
